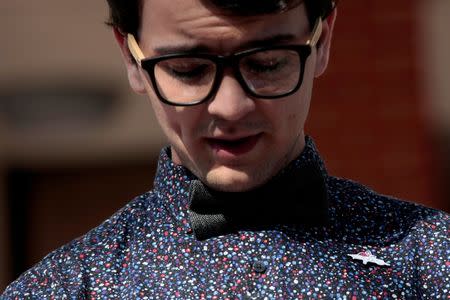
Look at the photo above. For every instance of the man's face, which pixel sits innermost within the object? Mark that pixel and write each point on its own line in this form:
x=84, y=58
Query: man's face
x=231, y=142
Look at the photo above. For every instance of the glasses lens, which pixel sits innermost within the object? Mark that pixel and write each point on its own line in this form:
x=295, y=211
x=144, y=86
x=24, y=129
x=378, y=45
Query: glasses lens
x=184, y=80
x=271, y=72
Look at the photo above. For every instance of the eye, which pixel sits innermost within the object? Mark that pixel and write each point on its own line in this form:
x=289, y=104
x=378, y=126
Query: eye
x=186, y=69
x=264, y=65
x=187, y=72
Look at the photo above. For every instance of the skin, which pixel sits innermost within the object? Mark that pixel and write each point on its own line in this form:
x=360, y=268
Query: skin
x=195, y=133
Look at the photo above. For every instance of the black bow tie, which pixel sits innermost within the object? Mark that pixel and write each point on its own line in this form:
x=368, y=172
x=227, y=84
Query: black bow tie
x=297, y=196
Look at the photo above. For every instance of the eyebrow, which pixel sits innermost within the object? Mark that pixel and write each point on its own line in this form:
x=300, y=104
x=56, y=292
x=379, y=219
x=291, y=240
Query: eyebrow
x=187, y=48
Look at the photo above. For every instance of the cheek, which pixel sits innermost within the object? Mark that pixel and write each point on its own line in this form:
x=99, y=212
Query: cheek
x=294, y=123
x=292, y=118
x=295, y=115
x=178, y=123
x=166, y=117
x=165, y=114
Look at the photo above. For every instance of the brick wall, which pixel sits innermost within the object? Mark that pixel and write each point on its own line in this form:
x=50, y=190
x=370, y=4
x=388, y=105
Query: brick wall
x=367, y=114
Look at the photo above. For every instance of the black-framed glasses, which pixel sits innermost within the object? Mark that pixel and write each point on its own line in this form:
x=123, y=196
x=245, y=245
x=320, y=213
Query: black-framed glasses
x=185, y=79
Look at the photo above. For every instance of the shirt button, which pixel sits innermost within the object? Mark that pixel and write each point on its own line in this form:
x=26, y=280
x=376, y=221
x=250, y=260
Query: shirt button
x=259, y=267
x=251, y=296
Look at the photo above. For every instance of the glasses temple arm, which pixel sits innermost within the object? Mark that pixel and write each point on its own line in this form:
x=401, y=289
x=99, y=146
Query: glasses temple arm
x=136, y=52
x=316, y=33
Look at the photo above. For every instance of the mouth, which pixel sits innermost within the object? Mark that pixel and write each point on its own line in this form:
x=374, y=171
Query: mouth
x=230, y=148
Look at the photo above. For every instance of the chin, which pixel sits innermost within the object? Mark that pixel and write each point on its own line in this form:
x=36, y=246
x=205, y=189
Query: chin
x=230, y=180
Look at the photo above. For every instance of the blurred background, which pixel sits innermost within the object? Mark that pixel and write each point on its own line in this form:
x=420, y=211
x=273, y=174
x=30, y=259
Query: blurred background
x=76, y=144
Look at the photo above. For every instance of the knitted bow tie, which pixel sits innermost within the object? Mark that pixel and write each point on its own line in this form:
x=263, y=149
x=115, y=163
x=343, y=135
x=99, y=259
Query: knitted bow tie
x=297, y=196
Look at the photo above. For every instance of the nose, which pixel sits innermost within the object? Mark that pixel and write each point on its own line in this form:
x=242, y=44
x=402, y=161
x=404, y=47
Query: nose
x=230, y=102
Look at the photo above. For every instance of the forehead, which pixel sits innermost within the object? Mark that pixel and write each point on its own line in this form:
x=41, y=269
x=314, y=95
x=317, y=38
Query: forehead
x=190, y=22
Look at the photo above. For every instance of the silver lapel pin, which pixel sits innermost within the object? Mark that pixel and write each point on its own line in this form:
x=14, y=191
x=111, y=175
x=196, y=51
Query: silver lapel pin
x=367, y=256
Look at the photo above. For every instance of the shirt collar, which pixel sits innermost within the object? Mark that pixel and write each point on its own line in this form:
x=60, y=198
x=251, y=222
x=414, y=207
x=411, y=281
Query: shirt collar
x=172, y=182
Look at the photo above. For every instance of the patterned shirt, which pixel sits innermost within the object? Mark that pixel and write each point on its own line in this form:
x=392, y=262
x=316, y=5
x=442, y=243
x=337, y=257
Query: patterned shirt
x=372, y=247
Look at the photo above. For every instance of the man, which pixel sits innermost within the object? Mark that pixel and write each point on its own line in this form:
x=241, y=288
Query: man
x=242, y=206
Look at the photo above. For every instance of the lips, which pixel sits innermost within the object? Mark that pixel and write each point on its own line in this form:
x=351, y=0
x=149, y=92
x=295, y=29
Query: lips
x=233, y=147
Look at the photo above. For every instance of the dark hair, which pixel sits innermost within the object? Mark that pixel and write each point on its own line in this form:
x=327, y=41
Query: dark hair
x=125, y=14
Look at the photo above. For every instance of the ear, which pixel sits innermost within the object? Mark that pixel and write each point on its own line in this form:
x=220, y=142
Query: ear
x=324, y=44
x=134, y=75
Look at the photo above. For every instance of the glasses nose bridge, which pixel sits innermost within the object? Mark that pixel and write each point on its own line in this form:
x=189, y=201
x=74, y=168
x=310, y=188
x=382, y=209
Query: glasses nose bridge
x=226, y=62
